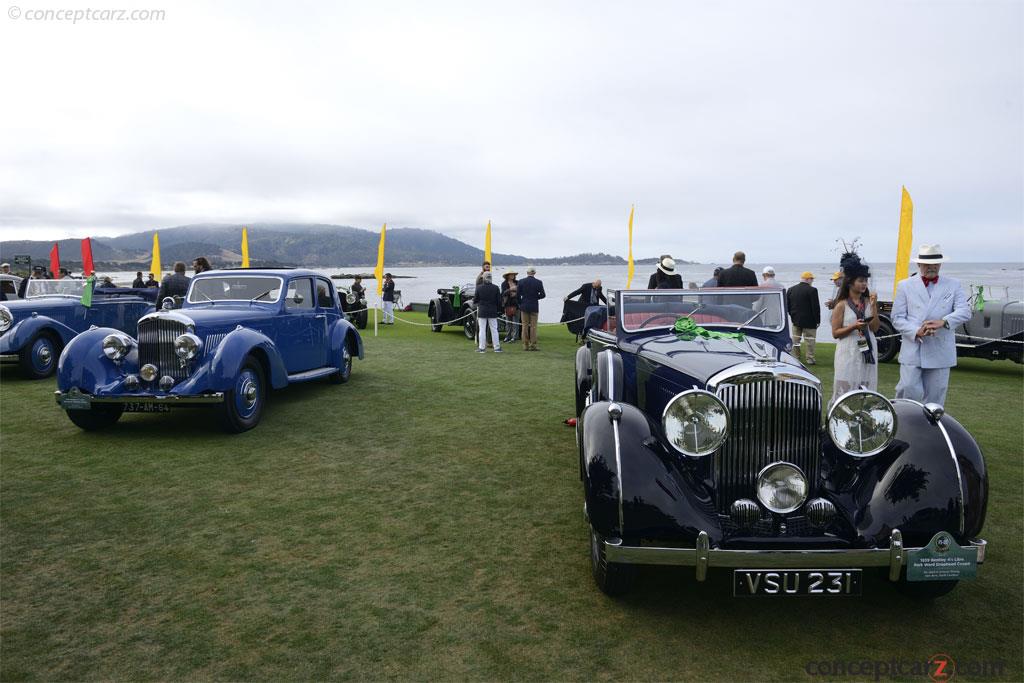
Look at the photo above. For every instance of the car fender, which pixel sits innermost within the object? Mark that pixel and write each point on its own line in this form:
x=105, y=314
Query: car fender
x=634, y=487
x=344, y=332
x=24, y=330
x=608, y=375
x=931, y=478
x=231, y=353
x=584, y=372
x=83, y=365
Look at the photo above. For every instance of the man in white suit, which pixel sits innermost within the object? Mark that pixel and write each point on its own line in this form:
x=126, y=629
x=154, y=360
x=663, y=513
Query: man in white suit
x=926, y=312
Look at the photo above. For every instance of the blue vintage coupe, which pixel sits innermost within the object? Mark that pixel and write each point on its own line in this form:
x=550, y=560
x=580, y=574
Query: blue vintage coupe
x=33, y=330
x=702, y=444
x=238, y=334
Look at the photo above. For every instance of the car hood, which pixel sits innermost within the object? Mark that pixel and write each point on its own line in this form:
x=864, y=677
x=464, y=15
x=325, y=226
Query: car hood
x=23, y=307
x=703, y=359
x=213, y=318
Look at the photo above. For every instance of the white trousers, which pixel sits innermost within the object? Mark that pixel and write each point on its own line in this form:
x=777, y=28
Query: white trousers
x=923, y=385
x=482, y=326
x=389, y=311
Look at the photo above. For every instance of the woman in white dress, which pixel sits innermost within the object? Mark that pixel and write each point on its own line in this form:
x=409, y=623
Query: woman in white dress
x=854, y=325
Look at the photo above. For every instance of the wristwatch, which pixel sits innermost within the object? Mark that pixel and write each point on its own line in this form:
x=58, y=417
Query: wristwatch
x=945, y=323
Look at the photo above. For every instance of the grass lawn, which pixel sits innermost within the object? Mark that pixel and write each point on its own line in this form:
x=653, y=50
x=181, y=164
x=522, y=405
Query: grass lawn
x=423, y=521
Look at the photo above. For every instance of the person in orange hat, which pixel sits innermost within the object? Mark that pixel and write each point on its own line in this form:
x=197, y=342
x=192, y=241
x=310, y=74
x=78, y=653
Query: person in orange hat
x=805, y=314
x=837, y=282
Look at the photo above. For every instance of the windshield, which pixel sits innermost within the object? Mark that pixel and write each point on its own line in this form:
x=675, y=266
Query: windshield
x=265, y=289
x=712, y=307
x=65, y=287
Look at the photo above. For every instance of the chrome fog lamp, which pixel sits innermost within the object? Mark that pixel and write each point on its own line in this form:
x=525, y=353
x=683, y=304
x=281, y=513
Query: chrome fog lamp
x=696, y=422
x=6, y=318
x=862, y=423
x=131, y=382
x=744, y=513
x=148, y=372
x=820, y=512
x=781, y=487
x=166, y=383
x=187, y=346
x=116, y=347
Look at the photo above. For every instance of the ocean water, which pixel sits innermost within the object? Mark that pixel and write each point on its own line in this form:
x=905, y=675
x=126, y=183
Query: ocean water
x=420, y=284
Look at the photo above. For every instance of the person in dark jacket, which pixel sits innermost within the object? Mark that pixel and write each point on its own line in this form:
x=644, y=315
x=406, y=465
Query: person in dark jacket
x=485, y=267
x=589, y=293
x=389, y=299
x=200, y=265
x=138, y=282
x=531, y=291
x=713, y=282
x=357, y=288
x=805, y=312
x=174, y=284
x=488, y=304
x=151, y=281
x=737, y=275
x=665, y=277
x=510, y=304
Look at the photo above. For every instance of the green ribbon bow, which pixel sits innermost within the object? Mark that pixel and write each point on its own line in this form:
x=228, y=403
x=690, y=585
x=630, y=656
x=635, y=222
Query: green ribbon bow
x=456, y=297
x=687, y=330
x=979, y=302
x=87, y=291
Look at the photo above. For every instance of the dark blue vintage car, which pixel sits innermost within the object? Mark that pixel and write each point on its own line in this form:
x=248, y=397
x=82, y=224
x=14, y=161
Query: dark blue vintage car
x=33, y=330
x=702, y=444
x=239, y=334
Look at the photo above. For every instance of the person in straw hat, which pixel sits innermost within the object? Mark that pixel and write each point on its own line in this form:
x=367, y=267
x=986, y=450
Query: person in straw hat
x=926, y=312
x=805, y=313
x=665, y=277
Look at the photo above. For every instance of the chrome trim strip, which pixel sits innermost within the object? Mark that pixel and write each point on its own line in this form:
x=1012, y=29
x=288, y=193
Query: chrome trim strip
x=896, y=555
x=614, y=417
x=176, y=316
x=9, y=358
x=217, y=397
x=611, y=379
x=959, y=474
x=758, y=559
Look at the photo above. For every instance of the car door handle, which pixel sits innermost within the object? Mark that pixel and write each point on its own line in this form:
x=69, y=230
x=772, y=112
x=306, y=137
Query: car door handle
x=320, y=316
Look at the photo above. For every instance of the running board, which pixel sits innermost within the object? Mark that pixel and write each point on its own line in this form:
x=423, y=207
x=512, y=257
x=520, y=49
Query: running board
x=311, y=374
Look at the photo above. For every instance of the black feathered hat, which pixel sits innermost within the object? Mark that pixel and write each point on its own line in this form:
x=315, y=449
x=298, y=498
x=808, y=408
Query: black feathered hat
x=853, y=267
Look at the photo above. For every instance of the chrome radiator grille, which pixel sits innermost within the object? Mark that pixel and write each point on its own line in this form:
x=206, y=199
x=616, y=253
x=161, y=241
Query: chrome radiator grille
x=770, y=421
x=156, y=345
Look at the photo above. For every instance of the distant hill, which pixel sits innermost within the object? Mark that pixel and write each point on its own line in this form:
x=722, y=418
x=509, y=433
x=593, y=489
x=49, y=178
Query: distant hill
x=315, y=245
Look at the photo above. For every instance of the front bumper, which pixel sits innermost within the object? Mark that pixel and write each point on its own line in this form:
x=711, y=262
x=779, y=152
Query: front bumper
x=77, y=400
x=8, y=358
x=703, y=557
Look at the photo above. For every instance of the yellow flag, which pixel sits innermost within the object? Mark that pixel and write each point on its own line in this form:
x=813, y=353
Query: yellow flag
x=487, y=243
x=629, y=268
x=378, y=272
x=245, y=248
x=154, y=267
x=905, y=240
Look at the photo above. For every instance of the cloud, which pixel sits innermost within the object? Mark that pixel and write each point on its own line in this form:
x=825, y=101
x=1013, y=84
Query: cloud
x=772, y=127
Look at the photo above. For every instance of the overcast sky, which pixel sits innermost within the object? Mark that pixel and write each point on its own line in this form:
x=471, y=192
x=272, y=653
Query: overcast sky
x=775, y=127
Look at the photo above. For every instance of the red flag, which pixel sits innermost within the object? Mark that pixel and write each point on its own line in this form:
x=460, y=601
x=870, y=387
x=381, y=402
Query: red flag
x=55, y=261
x=87, y=268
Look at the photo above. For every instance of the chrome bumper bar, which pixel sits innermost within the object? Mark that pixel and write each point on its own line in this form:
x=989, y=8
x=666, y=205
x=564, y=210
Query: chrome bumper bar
x=170, y=399
x=8, y=358
x=704, y=557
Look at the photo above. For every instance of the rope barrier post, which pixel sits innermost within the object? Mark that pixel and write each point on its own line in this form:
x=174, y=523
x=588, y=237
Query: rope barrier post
x=375, y=320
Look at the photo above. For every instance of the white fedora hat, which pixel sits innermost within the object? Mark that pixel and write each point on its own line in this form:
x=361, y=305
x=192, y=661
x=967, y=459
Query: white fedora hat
x=667, y=265
x=930, y=253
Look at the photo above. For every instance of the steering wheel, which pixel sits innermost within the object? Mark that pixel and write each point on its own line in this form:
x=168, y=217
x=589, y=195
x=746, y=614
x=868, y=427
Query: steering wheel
x=674, y=316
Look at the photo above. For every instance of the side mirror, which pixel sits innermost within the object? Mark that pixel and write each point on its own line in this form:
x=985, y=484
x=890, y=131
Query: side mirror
x=168, y=303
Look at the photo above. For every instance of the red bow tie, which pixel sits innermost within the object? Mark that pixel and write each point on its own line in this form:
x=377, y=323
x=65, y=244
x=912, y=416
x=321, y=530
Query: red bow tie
x=930, y=280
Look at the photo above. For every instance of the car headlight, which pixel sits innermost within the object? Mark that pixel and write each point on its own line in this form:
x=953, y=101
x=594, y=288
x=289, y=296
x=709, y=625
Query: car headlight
x=350, y=297
x=781, y=487
x=6, y=318
x=696, y=422
x=116, y=346
x=187, y=346
x=862, y=423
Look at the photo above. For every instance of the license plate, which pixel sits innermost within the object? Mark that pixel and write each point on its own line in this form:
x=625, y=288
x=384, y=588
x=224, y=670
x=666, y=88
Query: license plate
x=815, y=582
x=145, y=407
x=76, y=403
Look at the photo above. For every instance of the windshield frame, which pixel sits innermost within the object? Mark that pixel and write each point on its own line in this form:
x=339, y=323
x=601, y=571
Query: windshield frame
x=220, y=276
x=38, y=283
x=778, y=292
